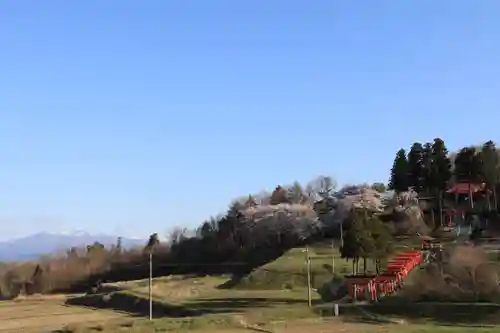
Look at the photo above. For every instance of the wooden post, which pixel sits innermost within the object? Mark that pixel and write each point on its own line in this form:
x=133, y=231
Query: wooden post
x=471, y=199
x=336, y=310
x=150, y=285
x=308, y=266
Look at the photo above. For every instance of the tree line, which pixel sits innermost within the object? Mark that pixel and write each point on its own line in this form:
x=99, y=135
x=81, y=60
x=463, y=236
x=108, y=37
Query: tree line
x=429, y=169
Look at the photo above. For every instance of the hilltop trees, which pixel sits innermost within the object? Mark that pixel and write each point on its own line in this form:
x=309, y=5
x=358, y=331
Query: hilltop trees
x=440, y=172
x=322, y=187
x=416, y=172
x=399, y=173
x=468, y=165
x=426, y=169
x=429, y=168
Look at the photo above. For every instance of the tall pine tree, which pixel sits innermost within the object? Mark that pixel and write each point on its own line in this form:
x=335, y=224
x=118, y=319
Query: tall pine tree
x=416, y=176
x=358, y=242
x=468, y=166
x=427, y=167
x=440, y=172
x=399, y=173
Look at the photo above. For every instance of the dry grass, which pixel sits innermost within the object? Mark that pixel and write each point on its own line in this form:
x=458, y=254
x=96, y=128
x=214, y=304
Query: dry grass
x=284, y=326
x=44, y=315
x=466, y=275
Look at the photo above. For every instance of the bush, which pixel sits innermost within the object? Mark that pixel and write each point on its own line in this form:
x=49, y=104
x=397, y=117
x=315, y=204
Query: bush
x=465, y=276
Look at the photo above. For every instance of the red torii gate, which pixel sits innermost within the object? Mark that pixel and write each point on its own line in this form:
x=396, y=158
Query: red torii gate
x=370, y=287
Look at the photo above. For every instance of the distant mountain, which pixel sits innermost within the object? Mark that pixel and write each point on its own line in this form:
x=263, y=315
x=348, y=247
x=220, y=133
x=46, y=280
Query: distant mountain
x=33, y=246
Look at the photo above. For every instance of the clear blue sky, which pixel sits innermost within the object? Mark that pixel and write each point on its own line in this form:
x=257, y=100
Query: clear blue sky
x=134, y=116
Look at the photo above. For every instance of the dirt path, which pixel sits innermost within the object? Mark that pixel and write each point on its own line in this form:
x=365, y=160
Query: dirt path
x=37, y=316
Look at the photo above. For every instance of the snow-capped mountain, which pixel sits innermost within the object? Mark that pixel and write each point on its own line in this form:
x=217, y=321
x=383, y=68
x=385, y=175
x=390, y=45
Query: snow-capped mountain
x=33, y=246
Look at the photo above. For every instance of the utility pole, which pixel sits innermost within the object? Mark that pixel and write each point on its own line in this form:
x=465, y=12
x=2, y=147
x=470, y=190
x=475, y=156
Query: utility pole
x=153, y=242
x=150, y=285
x=333, y=257
x=308, y=264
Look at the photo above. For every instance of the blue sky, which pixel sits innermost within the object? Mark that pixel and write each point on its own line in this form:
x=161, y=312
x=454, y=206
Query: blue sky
x=132, y=117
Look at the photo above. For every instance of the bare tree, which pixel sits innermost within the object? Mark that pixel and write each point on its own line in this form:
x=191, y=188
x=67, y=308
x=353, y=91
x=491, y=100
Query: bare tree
x=296, y=193
x=177, y=235
x=323, y=186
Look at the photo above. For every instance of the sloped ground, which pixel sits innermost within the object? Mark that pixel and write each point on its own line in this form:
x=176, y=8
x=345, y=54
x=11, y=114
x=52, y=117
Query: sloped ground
x=290, y=271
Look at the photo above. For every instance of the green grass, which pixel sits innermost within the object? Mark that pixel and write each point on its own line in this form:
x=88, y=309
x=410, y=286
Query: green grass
x=290, y=270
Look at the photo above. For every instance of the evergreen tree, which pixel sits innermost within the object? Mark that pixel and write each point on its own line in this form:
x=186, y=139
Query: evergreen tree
x=427, y=167
x=489, y=167
x=399, y=173
x=440, y=172
x=382, y=241
x=153, y=242
x=468, y=166
x=416, y=176
x=358, y=242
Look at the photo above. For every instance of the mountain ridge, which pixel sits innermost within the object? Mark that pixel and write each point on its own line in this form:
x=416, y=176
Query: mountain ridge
x=43, y=243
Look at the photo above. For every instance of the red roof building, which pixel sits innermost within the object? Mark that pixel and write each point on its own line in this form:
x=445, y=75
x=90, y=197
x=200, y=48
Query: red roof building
x=466, y=188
